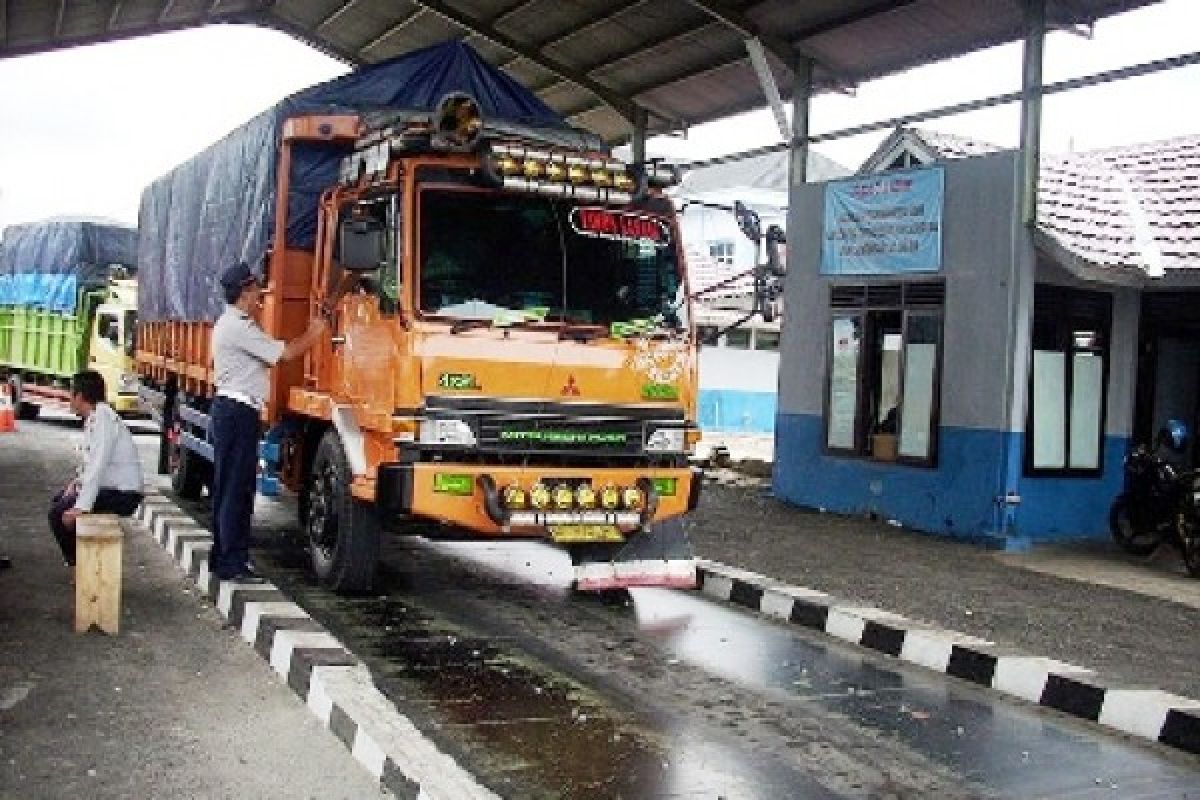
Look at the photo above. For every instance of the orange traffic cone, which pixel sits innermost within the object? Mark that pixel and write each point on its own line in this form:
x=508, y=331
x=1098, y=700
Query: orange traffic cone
x=8, y=418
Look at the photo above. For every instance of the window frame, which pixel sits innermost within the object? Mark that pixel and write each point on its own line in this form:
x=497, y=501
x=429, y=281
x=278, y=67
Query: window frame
x=862, y=312
x=1067, y=308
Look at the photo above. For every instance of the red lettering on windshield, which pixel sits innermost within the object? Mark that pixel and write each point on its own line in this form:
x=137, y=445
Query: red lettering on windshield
x=602, y=222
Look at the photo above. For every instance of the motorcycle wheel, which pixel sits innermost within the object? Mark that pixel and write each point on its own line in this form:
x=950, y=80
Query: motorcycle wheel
x=1126, y=534
x=1189, y=543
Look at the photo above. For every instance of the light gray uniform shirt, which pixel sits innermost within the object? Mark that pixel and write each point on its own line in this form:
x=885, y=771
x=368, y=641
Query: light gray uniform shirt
x=242, y=355
x=110, y=458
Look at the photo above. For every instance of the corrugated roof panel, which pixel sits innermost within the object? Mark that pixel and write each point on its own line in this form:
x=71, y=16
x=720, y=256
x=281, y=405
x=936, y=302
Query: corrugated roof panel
x=632, y=45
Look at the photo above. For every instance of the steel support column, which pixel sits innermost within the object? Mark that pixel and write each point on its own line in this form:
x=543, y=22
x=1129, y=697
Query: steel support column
x=640, y=121
x=802, y=70
x=1031, y=107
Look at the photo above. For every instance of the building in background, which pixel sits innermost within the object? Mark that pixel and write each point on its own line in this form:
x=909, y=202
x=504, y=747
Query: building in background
x=949, y=367
x=739, y=370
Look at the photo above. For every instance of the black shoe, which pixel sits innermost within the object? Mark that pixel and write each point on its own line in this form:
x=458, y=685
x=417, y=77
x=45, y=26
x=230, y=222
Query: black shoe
x=5, y=562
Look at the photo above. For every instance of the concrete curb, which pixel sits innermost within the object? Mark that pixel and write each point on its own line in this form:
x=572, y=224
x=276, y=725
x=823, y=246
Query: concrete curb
x=329, y=679
x=1149, y=713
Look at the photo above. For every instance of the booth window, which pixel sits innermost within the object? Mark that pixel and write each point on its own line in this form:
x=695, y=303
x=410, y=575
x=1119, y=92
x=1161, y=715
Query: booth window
x=1065, y=431
x=884, y=356
x=721, y=250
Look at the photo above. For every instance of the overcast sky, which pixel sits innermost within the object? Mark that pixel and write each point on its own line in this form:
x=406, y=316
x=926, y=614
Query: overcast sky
x=82, y=131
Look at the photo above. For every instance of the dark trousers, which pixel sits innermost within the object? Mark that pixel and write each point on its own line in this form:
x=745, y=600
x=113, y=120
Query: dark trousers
x=108, y=501
x=235, y=433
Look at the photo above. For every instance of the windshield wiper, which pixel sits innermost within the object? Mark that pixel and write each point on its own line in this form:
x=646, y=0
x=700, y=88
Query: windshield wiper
x=580, y=333
x=461, y=325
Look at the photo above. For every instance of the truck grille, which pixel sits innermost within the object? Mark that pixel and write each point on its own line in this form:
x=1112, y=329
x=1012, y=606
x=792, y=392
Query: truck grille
x=536, y=427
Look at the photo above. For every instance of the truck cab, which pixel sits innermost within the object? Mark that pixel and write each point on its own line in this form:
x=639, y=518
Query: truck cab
x=111, y=345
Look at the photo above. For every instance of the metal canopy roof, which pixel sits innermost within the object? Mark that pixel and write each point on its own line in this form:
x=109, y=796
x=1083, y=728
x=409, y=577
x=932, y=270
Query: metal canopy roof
x=595, y=61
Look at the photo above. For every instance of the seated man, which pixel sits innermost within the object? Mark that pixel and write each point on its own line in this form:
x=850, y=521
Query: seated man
x=110, y=477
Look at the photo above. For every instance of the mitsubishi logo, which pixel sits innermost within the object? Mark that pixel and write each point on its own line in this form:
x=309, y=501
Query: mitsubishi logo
x=571, y=389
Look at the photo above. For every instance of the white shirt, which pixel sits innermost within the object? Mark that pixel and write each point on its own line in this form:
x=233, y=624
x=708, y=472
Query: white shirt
x=242, y=354
x=110, y=458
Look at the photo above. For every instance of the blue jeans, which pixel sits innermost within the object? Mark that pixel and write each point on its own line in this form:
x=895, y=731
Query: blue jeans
x=235, y=434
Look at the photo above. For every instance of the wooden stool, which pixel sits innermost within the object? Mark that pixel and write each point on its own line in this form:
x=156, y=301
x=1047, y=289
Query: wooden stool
x=97, y=572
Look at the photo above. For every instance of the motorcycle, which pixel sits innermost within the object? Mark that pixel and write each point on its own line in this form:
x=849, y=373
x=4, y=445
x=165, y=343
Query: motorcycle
x=1159, y=504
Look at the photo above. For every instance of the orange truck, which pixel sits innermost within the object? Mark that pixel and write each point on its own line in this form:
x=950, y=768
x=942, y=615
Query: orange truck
x=510, y=351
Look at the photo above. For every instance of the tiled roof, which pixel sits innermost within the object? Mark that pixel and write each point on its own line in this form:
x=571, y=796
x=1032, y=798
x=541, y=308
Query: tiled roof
x=1132, y=206
x=951, y=146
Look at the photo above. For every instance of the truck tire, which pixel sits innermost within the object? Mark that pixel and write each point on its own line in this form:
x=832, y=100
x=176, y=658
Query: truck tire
x=343, y=533
x=22, y=409
x=187, y=473
x=188, y=470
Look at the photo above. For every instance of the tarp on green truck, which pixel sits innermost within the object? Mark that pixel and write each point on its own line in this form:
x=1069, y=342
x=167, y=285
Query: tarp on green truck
x=217, y=208
x=45, y=264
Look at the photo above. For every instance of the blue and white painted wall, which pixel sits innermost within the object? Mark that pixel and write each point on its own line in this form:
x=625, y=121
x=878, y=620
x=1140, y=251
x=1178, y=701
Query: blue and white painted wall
x=739, y=376
x=978, y=486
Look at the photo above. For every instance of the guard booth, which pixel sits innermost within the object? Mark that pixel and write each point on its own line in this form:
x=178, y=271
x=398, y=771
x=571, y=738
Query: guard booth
x=959, y=372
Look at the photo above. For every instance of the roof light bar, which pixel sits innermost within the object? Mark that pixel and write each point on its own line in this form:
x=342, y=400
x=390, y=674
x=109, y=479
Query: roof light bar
x=557, y=173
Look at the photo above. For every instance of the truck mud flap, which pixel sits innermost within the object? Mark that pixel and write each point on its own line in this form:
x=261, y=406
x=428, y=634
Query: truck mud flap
x=661, y=556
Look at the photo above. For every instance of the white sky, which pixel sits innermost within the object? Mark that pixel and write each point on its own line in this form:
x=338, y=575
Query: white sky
x=82, y=131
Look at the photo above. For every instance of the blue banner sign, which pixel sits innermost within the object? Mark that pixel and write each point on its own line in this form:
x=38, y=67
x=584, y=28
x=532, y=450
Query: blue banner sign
x=884, y=224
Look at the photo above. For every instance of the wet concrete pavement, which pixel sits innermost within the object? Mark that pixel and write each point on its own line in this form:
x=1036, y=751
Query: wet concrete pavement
x=545, y=694
x=172, y=707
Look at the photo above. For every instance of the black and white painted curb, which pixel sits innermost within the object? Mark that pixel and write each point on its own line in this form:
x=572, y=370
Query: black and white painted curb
x=1149, y=713
x=334, y=684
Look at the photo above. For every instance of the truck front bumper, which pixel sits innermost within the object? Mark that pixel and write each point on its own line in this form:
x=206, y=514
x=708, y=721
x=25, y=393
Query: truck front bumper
x=470, y=496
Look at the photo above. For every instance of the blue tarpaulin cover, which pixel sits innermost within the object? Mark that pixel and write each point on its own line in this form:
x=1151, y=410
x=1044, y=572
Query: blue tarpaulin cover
x=218, y=208
x=45, y=264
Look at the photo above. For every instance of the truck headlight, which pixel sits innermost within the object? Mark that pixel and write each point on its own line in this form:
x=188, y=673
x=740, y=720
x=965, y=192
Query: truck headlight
x=452, y=432
x=667, y=440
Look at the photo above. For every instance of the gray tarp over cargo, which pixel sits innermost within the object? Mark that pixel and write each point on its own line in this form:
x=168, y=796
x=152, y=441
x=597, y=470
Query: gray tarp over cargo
x=45, y=264
x=217, y=208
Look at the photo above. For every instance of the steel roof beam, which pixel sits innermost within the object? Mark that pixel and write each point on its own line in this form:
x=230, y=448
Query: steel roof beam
x=838, y=84
x=852, y=18
x=392, y=31
x=335, y=15
x=624, y=107
x=306, y=35
x=742, y=25
x=517, y=8
x=610, y=11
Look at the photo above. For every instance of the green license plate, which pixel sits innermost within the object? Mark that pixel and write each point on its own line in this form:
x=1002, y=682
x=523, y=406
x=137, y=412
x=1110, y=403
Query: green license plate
x=571, y=534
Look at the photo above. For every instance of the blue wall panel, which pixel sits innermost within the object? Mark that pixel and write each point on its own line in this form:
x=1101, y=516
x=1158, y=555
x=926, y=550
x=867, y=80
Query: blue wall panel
x=732, y=411
x=1062, y=508
x=958, y=497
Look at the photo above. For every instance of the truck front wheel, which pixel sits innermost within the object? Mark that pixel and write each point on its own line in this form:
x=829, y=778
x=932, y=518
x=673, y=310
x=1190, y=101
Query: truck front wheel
x=188, y=470
x=343, y=533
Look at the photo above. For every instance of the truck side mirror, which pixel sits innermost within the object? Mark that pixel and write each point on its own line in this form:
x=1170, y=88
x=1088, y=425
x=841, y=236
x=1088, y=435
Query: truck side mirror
x=361, y=244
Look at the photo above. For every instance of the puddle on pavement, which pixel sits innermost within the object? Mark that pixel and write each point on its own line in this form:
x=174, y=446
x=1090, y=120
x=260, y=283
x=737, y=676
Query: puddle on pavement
x=546, y=737
x=537, y=733
x=1005, y=746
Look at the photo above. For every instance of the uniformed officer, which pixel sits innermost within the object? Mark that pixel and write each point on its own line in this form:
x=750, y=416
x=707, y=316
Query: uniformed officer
x=242, y=354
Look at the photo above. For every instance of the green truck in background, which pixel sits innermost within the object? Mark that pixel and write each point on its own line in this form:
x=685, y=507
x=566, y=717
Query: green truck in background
x=68, y=301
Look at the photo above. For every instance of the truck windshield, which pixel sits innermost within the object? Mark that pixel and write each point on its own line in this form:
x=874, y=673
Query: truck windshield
x=492, y=256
